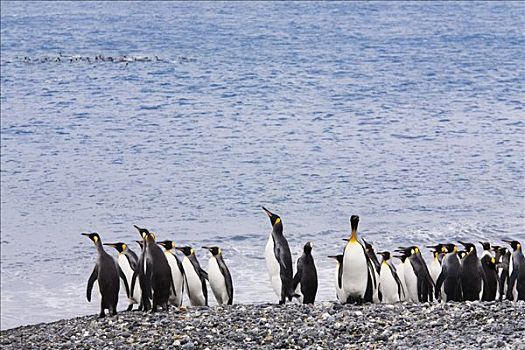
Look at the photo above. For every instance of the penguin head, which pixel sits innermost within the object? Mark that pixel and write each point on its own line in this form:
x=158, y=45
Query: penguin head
x=274, y=218
x=435, y=254
x=93, y=236
x=469, y=247
x=368, y=246
x=451, y=248
x=308, y=248
x=339, y=258
x=354, y=221
x=385, y=255
x=120, y=246
x=142, y=231
x=439, y=248
x=167, y=244
x=409, y=251
x=485, y=245
x=514, y=244
x=462, y=254
x=140, y=243
x=188, y=251
x=214, y=250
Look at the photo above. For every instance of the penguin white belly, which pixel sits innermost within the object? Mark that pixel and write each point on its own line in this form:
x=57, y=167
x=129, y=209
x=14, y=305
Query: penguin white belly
x=388, y=285
x=435, y=270
x=178, y=280
x=217, y=282
x=124, y=265
x=515, y=288
x=194, y=285
x=274, y=269
x=411, y=282
x=401, y=274
x=355, y=270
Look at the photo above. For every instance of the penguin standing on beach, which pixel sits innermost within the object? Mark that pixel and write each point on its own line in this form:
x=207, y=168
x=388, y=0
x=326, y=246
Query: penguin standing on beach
x=471, y=275
x=502, y=256
x=106, y=272
x=177, y=273
x=400, y=269
x=516, y=285
x=448, y=285
x=127, y=262
x=372, y=255
x=435, y=266
x=359, y=282
x=417, y=267
x=156, y=272
x=139, y=276
x=279, y=260
x=488, y=263
x=219, y=277
x=305, y=279
x=339, y=292
x=195, y=277
x=389, y=283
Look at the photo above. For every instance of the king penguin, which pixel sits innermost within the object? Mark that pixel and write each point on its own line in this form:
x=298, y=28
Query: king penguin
x=389, y=283
x=435, y=266
x=195, y=277
x=488, y=263
x=305, y=279
x=157, y=272
x=219, y=276
x=106, y=272
x=400, y=269
x=339, y=292
x=372, y=255
x=471, y=274
x=516, y=284
x=177, y=273
x=448, y=285
x=359, y=282
x=417, y=267
x=502, y=256
x=127, y=262
x=139, y=276
x=279, y=260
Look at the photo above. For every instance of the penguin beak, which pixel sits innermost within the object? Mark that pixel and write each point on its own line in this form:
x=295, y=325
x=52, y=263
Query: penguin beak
x=507, y=241
x=204, y=247
x=462, y=243
x=269, y=213
x=110, y=244
x=346, y=239
x=179, y=248
x=332, y=256
x=85, y=234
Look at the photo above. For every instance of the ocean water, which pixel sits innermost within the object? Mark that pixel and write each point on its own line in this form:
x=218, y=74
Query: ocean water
x=410, y=115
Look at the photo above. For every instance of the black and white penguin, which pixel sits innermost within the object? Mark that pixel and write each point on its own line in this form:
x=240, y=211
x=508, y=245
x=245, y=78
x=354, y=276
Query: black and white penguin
x=502, y=256
x=139, y=276
x=106, y=272
x=389, y=283
x=305, y=279
x=488, y=263
x=279, y=260
x=448, y=285
x=177, y=273
x=424, y=288
x=435, y=266
x=359, y=282
x=441, y=249
x=471, y=275
x=372, y=255
x=156, y=272
x=127, y=262
x=195, y=277
x=219, y=277
x=339, y=292
x=400, y=269
x=516, y=284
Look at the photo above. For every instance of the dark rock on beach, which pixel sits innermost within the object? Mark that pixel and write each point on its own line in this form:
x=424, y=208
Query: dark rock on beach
x=325, y=325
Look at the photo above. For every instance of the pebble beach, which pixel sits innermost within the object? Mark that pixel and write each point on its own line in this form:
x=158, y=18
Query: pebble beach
x=325, y=325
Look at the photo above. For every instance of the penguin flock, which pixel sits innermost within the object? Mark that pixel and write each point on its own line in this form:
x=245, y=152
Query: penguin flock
x=159, y=278
x=126, y=59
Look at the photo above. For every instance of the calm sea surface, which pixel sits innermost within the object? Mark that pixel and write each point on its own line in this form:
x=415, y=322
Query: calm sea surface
x=410, y=115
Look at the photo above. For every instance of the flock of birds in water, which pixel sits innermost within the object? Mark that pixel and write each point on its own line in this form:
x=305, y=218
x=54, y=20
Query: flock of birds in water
x=160, y=278
x=125, y=59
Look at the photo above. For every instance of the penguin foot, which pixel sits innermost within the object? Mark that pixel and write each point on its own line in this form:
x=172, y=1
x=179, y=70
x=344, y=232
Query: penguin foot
x=102, y=315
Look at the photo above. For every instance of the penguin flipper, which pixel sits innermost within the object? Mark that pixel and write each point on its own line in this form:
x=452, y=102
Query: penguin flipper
x=439, y=282
x=133, y=281
x=91, y=281
x=203, y=274
x=298, y=274
x=123, y=276
x=510, y=284
x=227, y=279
